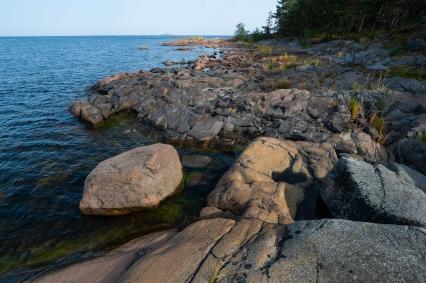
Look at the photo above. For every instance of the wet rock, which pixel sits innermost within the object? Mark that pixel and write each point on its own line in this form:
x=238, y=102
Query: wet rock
x=169, y=63
x=192, y=245
x=137, y=179
x=110, y=267
x=87, y=112
x=196, y=161
x=360, y=191
x=222, y=250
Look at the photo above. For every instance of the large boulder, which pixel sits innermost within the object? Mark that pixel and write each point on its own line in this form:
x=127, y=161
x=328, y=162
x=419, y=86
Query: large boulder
x=137, y=179
x=359, y=191
x=269, y=179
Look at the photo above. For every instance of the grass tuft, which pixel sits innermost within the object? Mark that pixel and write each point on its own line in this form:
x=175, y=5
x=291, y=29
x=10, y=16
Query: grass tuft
x=377, y=121
x=355, y=107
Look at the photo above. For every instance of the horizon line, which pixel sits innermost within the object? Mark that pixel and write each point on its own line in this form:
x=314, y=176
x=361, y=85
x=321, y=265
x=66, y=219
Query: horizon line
x=100, y=35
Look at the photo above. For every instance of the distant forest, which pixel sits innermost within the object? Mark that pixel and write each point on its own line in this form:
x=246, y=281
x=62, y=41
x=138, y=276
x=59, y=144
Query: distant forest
x=301, y=17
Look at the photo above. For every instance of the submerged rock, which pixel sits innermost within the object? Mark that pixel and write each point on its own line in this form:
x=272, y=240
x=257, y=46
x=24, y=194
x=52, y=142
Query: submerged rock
x=196, y=161
x=359, y=191
x=137, y=179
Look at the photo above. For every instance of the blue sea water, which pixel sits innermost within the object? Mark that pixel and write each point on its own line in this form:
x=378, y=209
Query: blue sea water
x=45, y=153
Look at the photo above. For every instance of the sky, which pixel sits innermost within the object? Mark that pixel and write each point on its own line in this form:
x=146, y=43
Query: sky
x=130, y=17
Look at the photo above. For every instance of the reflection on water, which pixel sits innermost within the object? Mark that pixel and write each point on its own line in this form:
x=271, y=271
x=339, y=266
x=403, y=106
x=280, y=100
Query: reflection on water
x=45, y=153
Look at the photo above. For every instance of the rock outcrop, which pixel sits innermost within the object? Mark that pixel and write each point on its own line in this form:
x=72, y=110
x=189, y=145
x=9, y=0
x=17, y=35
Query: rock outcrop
x=360, y=191
x=222, y=250
x=269, y=179
x=137, y=179
x=234, y=99
x=315, y=143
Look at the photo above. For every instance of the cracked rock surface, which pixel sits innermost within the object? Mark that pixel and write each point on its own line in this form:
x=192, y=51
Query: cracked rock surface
x=249, y=233
x=222, y=250
x=269, y=179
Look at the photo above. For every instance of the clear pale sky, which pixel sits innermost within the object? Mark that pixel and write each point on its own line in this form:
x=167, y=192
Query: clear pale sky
x=130, y=17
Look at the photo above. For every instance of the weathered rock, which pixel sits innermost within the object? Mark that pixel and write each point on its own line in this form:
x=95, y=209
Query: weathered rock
x=329, y=251
x=410, y=175
x=412, y=152
x=244, y=231
x=359, y=144
x=221, y=250
x=102, y=83
x=87, y=112
x=360, y=191
x=110, y=267
x=206, y=129
x=269, y=179
x=179, y=259
x=139, y=178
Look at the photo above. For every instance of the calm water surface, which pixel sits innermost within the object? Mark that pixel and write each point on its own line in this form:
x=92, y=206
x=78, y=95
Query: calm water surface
x=45, y=153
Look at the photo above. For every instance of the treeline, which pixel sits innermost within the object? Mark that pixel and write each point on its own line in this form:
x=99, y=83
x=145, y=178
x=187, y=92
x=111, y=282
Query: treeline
x=299, y=17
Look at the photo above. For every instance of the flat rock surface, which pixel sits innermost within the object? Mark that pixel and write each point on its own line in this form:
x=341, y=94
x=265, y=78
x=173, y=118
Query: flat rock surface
x=221, y=250
x=137, y=179
x=330, y=251
x=108, y=268
x=179, y=259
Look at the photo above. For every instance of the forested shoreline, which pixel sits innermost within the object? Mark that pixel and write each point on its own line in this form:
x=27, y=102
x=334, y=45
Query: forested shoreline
x=309, y=18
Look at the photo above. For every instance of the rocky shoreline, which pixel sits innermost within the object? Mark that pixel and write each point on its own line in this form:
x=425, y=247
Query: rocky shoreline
x=328, y=125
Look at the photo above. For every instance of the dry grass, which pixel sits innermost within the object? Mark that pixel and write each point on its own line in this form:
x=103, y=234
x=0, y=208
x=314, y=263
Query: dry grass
x=378, y=83
x=356, y=86
x=355, y=107
x=265, y=50
x=377, y=121
x=270, y=84
x=280, y=63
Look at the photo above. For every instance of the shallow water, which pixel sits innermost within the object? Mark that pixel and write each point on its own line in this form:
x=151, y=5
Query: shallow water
x=45, y=153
